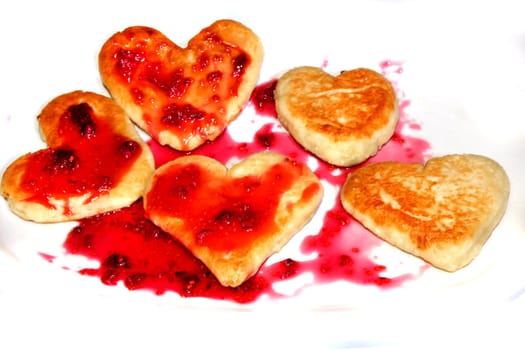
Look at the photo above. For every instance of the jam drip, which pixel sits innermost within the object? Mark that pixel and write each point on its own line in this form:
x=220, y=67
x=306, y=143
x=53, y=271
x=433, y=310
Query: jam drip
x=134, y=251
x=80, y=116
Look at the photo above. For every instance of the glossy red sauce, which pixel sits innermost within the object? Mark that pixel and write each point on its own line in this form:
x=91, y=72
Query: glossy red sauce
x=186, y=95
x=131, y=249
x=91, y=159
x=233, y=212
x=135, y=252
x=263, y=99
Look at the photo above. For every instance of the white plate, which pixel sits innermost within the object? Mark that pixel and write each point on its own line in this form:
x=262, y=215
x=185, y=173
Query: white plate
x=463, y=73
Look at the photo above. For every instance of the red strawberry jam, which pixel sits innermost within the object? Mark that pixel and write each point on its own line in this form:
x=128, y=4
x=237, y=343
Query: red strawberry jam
x=233, y=212
x=263, y=99
x=177, y=92
x=91, y=159
x=133, y=250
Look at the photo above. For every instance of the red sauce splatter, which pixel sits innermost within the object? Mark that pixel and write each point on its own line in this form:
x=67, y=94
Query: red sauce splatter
x=91, y=159
x=133, y=250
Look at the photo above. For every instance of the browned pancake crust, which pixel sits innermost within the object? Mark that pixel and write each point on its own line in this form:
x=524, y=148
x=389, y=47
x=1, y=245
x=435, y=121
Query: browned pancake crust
x=343, y=119
x=443, y=211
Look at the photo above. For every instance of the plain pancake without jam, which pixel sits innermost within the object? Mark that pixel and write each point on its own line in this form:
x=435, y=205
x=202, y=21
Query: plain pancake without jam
x=443, y=211
x=343, y=119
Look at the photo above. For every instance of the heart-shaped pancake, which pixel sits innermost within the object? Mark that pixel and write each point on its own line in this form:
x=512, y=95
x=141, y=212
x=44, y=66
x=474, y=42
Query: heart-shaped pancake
x=233, y=219
x=342, y=119
x=182, y=97
x=443, y=211
x=95, y=162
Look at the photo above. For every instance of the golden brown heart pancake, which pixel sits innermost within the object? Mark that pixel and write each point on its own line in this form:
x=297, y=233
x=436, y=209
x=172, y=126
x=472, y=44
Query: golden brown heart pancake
x=233, y=219
x=95, y=162
x=182, y=97
x=341, y=119
x=442, y=212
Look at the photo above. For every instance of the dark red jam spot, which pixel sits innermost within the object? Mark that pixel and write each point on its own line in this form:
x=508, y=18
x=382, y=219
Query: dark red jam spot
x=345, y=260
x=61, y=161
x=174, y=84
x=81, y=117
x=266, y=139
x=116, y=261
x=239, y=65
x=263, y=99
x=178, y=115
x=225, y=217
x=213, y=39
x=127, y=61
x=248, y=218
x=202, y=235
x=181, y=192
x=214, y=77
x=189, y=284
x=85, y=243
x=135, y=281
x=104, y=184
x=110, y=277
x=128, y=149
x=287, y=268
x=202, y=62
x=218, y=59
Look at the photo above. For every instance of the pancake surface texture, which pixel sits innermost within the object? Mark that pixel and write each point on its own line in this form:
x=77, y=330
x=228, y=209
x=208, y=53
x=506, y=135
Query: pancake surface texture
x=443, y=211
x=342, y=119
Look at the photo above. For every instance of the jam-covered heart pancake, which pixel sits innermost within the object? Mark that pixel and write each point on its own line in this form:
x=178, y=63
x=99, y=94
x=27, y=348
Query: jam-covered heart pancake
x=443, y=211
x=95, y=162
x=182, y=97
x=342, y=119
x=233, y=219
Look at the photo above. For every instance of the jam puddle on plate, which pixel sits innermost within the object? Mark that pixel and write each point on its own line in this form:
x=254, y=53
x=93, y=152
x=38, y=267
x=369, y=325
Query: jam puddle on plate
x=133, y=251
